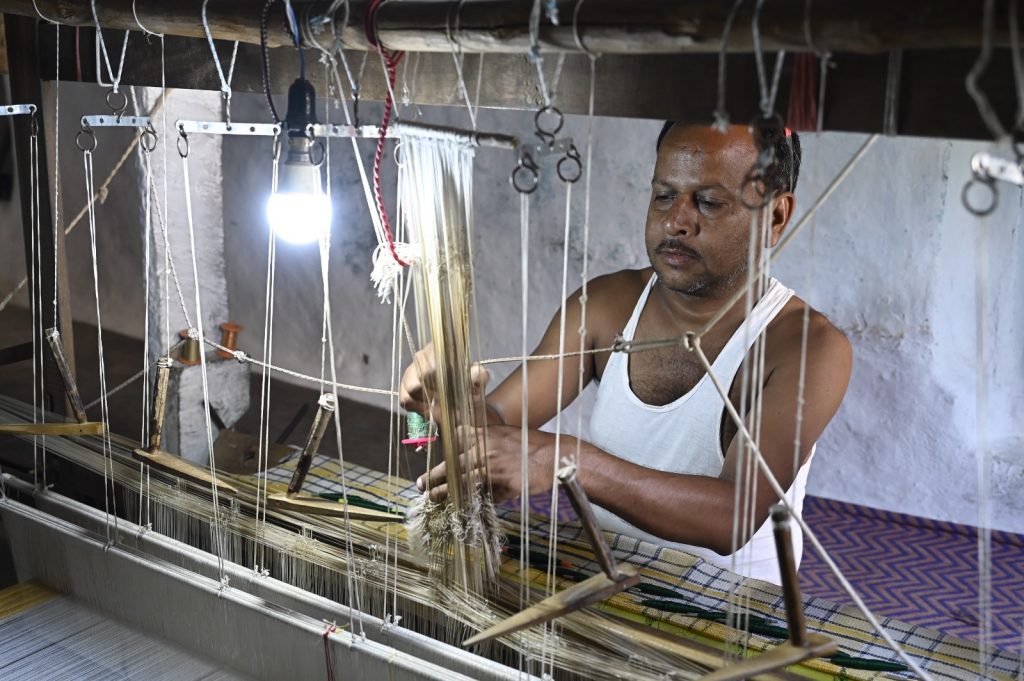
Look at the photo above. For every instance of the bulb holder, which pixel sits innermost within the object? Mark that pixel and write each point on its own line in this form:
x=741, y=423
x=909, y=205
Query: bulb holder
x=301, y=108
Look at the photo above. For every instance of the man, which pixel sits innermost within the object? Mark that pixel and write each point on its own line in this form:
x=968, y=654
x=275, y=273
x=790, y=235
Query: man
x=661, y=463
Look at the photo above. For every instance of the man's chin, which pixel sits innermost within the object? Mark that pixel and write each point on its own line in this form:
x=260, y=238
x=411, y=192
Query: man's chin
x=685, y=284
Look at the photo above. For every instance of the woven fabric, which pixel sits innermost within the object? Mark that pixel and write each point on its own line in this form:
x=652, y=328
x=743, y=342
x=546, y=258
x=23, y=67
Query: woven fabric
x=699, y=584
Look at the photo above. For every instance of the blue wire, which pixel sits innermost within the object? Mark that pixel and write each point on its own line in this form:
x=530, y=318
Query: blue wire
x=297, y=39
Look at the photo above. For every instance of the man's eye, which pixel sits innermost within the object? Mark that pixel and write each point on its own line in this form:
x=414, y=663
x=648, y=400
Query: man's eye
x=709, y=204
x=663, y=197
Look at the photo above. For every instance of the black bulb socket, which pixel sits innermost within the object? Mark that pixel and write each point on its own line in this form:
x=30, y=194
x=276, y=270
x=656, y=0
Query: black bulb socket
x=301, y=108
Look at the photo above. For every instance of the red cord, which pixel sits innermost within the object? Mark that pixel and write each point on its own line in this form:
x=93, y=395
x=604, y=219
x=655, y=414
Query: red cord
x=328, y=657
x=391, y=59
x=803, y=96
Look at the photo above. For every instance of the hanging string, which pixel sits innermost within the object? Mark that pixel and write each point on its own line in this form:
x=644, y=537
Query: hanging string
x=115, y=80
x=985, y=110
x=983, y=460
x=721, y=116
x=457, y=57
x=584, y=274
x=225, y=83
x=147, y=228
x=768, y=91
x=109, y=497
x=216, y=527
x=35, y=291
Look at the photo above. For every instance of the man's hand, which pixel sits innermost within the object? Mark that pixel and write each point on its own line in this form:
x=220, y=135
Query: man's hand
x=501, y=465
x=419, y=382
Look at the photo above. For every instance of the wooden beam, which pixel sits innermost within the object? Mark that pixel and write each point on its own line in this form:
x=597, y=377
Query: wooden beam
x=26, y=88
x=933, y=101
x=605, y=26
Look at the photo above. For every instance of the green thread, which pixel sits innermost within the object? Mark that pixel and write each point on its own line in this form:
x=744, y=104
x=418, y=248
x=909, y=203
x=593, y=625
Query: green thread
x=419, y=427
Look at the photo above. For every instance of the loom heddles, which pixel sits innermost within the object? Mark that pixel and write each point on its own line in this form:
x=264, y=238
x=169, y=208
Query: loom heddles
x=435, y=189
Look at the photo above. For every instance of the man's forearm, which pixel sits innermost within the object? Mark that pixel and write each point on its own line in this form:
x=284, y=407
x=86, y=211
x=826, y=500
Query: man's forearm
x=689, y=509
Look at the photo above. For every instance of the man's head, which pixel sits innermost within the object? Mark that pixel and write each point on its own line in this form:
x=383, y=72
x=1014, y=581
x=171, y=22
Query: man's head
x=698, y=228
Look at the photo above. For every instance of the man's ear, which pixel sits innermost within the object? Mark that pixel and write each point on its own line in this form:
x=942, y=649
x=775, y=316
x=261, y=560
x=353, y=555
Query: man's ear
x=783, y=206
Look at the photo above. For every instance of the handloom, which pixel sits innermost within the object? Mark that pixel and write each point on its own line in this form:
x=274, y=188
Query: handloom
x=674, y=617
x=678, y=595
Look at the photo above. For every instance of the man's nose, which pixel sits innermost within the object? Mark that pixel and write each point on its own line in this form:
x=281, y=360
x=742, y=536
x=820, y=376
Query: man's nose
x=682, y=218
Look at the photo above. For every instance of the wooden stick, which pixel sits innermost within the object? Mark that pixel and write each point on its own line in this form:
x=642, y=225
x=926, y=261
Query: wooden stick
x=604, y=26
x=591, y=590
x=801, y=645
x=165, y=461
x=613, y=579
x=322, y=419
x=69, y=428
x=334, y=509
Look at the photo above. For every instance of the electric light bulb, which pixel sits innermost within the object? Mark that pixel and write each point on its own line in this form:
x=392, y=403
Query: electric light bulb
x=298, y=211
x=299, y=217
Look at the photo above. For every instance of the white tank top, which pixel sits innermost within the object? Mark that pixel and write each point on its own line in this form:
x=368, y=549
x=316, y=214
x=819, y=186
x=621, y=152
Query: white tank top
x=684, y=436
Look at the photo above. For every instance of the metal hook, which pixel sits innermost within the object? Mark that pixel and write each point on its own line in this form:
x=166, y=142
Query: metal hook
x=572, y=156
x=110, y=98
x=985, y=209
x=547, y=135
x=148, y=138
x=183, y=146
x=86, y=133
x=526, y=167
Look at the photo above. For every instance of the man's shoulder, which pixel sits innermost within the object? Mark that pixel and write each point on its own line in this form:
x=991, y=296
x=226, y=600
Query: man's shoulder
x=611, y=299
x=824, y=339
x=616, y=287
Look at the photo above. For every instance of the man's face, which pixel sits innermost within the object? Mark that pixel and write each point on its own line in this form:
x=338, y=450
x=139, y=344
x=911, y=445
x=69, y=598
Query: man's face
x=697, y=230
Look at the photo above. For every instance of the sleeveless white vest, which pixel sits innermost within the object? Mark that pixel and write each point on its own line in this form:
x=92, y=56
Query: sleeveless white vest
x=684, y=436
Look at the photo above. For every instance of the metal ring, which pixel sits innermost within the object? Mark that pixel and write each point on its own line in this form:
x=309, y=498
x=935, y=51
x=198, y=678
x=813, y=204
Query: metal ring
x=525, y=166
x=119, y=110
x=541, y=113
x=993, y=193
x=317, y=161
x=571, y=156
x=394, y=152
x=148, y=138
x=183, y=146
x=86, y=133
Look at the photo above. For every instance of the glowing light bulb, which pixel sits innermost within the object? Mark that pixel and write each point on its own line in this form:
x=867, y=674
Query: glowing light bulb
x=298, y=211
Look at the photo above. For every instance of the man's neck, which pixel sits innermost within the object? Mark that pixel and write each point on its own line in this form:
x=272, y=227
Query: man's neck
x=690, y=312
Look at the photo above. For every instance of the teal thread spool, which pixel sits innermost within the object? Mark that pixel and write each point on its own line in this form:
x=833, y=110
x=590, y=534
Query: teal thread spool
x=419, y=429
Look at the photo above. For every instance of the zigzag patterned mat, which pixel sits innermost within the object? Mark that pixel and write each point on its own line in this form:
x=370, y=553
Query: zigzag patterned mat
x=917, y=570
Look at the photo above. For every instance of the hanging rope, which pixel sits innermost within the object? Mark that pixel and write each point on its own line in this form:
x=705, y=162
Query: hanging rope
x=391, y=58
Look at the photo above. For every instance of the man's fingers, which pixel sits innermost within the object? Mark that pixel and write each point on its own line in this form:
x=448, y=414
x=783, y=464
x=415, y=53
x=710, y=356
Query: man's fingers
x=479, y=376
x=439, y=493
x=418, y=379
x=469, y=437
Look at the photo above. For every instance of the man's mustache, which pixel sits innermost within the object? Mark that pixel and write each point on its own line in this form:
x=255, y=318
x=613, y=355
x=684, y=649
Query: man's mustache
x=676, y=246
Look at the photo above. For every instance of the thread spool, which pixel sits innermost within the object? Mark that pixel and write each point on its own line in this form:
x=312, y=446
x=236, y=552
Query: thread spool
x=190, y=352
x=229, y=339
x=420, y=430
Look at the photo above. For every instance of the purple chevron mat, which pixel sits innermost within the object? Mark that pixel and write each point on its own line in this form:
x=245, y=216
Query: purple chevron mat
x=920, y=571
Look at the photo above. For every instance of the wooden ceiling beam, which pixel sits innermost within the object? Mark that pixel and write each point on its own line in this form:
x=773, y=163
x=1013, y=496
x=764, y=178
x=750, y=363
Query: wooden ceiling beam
x=931, y=100
x=605, y=26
